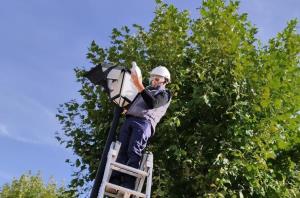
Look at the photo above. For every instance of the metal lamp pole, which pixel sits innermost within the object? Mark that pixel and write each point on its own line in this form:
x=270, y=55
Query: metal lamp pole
x=101, y=167
x=101, y=75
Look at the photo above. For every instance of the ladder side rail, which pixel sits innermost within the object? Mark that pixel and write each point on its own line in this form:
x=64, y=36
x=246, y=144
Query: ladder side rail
x=149, y=164
x=115, y=152
x=106, y=172
x=140, y=181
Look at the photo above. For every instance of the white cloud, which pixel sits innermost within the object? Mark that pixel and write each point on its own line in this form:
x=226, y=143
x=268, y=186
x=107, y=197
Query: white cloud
x=26, y=119
x=3, y=130
x=35, y=104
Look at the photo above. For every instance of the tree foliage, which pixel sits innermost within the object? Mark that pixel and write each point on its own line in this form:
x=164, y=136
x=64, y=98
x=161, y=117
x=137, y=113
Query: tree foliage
x=32, y=186
x=232, y=129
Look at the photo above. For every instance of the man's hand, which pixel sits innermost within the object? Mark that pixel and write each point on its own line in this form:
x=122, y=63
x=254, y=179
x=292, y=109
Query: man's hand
x=137, y=82
x=124, y=111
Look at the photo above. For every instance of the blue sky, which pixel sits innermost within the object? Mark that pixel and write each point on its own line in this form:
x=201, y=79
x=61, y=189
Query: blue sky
x=41, y=41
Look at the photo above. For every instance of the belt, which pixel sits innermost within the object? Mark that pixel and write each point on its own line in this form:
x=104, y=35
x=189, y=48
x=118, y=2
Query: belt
x=137, y=118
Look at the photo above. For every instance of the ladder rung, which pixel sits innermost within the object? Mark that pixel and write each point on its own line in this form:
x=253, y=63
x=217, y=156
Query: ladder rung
x=138, y=173
x=122, y=189
x=126, y=172
x=111, y=195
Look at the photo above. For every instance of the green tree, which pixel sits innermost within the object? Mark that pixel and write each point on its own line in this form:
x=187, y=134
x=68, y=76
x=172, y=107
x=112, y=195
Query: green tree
x=232, y=129
x=32, y=186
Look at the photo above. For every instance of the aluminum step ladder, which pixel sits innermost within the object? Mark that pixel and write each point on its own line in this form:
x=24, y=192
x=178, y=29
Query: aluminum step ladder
x=142, y=174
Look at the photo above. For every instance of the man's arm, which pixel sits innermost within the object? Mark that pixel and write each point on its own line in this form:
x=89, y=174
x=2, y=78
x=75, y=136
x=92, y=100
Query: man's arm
x=137, y=82
x=156, y=101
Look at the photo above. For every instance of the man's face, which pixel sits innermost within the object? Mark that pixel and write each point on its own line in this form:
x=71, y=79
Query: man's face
x=156, y=80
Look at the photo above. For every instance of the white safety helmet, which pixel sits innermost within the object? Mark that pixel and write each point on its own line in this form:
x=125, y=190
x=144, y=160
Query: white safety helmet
x=161, y=71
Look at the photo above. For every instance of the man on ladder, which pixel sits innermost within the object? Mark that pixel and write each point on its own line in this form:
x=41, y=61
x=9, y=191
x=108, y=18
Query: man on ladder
x=149, y=106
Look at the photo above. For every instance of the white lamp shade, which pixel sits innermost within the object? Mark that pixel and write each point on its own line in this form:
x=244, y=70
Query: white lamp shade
x=121, y=87
x=116, y=81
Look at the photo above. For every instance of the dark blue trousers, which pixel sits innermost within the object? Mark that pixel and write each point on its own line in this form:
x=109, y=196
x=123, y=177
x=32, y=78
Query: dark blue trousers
x=134, y=135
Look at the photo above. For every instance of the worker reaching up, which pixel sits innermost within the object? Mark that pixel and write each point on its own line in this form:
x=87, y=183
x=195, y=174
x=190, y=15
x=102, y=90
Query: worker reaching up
x=149, y=106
